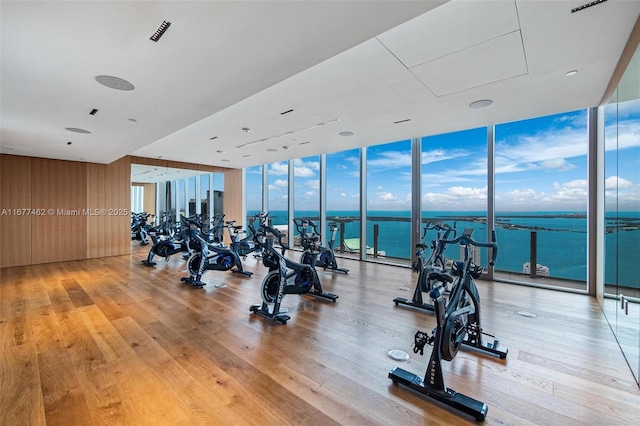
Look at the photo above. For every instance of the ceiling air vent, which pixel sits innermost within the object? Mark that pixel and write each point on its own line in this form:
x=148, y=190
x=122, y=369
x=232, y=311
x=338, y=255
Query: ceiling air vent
x=93, y=112
x=161, y=29
x=584, y=6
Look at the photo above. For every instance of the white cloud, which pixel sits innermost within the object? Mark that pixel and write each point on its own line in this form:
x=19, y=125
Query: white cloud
x=556, y=164
x=613, y=182
x=390, y=160
x=305, y=168
x=313, y=184
x=548, y=149
x=278, y=169
x=441, y=154
x=386, y=196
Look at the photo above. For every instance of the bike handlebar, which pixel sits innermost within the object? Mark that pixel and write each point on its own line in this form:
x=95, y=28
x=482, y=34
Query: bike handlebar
x=439, y=225
x=465, y=239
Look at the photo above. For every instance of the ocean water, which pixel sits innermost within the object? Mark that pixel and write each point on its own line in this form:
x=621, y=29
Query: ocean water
x=561, y=239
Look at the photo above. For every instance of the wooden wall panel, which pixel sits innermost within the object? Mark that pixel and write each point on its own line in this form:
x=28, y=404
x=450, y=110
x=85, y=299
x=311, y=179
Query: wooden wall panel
x=149, y=202
x=15, y=193
x=109, y=197
x=233, y=196
x=60, y=187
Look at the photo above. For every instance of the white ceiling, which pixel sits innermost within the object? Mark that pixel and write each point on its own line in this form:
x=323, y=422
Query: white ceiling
x=355, y=66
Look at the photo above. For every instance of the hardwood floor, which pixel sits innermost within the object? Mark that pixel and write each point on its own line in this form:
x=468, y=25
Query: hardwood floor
x=111, y=342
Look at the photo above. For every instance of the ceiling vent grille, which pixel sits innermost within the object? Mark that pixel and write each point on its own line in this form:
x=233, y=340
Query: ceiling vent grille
x=584, y=6
x=160, y=31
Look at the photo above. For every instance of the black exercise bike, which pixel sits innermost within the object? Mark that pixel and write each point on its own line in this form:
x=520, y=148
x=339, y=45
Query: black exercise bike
x=166, y=245
x=325, y=257
x=285, y=277
x=458, y=323
x=425, y=265
x=208, y=257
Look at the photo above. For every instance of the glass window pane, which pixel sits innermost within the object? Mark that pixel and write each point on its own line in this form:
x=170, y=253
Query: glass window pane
x=389, y=201
x=253, y=194
x=191, y=195
x=278, y=194
x=306, y=189
x=204, y=197
x=343, y=200
x=541, y=199
x=454, y=185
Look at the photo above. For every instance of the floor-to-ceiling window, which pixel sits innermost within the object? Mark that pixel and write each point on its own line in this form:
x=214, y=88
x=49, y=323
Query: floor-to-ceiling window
x=278, y=194
x=389, y=201
x=218, y=195
x=343, y=200
x=191, y=195
x=306, y=190
x=541, y=199
x=253, y=192
x=180, y=202
x=454, y=183
x=204, y=195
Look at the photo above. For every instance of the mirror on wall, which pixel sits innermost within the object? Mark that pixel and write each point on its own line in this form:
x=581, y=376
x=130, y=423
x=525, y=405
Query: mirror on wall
x=622, y=214
x=167, y=193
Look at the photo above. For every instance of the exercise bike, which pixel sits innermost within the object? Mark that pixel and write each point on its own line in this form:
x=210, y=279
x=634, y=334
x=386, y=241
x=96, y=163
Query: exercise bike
x=325, y=257
x=285, y=277
x=424, y=266
x=458, y=323
x=140, y=227
x=209, y=257
x=244, y=246
x=178, y=243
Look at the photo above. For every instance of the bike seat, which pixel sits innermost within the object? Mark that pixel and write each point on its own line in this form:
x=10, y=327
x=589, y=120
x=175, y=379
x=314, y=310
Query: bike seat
x=441, y=276
x=421, y=246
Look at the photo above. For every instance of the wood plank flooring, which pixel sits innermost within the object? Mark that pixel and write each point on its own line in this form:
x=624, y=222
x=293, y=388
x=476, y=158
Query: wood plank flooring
x=111, y=342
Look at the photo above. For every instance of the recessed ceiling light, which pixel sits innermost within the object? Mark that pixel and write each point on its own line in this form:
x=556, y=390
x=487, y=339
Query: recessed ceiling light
x=247, y=155
x=76, y=130
x=225, y=160
x=69, y=143
x=93, y=112
x=220, y=151
x=272, y=150
x=304, y=143
x=402, y=121
x=215, y=137
x=481, y=103
x=114, y=82
x=133, y=120
x=246, y=129
x=572, y=72
x=346, y=133
x=286, y=112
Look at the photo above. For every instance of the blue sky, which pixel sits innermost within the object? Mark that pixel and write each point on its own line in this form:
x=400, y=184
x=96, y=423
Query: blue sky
x=541, y=165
